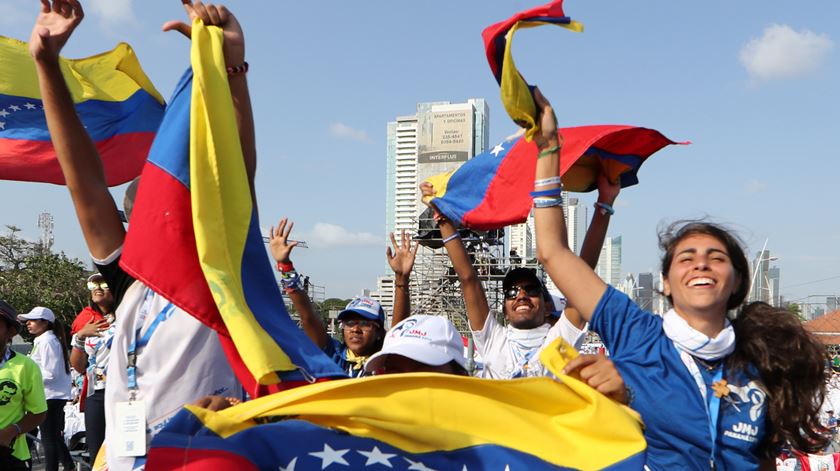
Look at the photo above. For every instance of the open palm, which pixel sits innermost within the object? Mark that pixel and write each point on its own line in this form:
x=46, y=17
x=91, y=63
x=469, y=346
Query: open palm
x=53, y=27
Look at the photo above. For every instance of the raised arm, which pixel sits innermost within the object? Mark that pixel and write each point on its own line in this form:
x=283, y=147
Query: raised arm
x=474, y=297
x=281, y=250
x=80, y=163
x=570, y=273
x=234, y=52
x=401, y=260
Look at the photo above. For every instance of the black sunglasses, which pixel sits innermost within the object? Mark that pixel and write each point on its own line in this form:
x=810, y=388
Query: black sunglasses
x=530, y=290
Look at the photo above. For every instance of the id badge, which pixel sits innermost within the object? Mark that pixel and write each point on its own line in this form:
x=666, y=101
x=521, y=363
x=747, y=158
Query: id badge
x=129, y=436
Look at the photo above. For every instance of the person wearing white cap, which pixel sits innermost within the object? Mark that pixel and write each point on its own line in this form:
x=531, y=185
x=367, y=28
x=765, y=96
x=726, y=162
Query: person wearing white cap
x=421, y=343
x=49, y=351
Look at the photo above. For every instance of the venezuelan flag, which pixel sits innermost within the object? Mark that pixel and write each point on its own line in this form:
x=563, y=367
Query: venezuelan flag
x=416, y=421
x=115, y=100
x=517, y=95
x=194, y=233
x=492, y=190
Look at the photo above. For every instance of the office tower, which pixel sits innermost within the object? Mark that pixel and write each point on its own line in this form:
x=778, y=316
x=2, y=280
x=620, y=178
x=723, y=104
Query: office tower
x=644, y=295
x=609, y=263
x=576, y=221
x=438, y=138
x=774, y=275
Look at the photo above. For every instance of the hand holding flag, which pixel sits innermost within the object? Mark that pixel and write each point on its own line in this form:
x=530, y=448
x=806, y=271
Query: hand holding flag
x=233, y=46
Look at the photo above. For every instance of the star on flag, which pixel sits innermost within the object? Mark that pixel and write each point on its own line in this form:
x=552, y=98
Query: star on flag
x=496, y=150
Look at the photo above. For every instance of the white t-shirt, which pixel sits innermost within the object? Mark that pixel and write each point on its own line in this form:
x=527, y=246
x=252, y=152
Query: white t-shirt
x=182, y=361
x=501, y=358
x=46, y=352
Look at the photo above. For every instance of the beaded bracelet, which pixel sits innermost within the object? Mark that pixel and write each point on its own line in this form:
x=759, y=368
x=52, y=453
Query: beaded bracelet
x=548, y=202
x=238, y=70
x=548, y=181
x=605, y=208
x=549, y=192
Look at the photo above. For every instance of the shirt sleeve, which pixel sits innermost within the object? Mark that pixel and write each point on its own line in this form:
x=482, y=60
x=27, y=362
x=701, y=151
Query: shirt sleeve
x=34, y=397
x=118, y=280
x=624, y=326
x=571, y=334
x=487, y=336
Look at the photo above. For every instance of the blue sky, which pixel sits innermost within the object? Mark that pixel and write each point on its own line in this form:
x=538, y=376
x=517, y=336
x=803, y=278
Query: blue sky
x=752, y=84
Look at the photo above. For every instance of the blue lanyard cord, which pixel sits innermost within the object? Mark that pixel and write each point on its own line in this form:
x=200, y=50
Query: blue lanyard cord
x=163, y=315
x=713, y=411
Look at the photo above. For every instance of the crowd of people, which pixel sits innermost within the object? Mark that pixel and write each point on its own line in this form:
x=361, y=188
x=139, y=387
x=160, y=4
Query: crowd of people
x=712, y=390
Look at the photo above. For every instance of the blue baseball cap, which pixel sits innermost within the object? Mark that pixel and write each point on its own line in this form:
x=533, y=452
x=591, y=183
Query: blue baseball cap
x=366, y=307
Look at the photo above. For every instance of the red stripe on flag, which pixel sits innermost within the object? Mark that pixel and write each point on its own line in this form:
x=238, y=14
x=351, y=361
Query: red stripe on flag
x=34, y=161
x=197, y=459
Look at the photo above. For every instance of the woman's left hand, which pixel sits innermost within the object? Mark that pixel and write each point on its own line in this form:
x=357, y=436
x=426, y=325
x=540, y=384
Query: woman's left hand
x=216, y=15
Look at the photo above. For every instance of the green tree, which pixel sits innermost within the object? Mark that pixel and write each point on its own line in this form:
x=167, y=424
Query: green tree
x=796, y=309
x=31, y=275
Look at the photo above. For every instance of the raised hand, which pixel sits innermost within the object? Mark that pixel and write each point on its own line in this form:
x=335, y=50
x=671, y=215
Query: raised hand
x=216, y=15
x=607, y=190
x=278, y=241
x=401, y=259
x=53, y=27
x=547, y=136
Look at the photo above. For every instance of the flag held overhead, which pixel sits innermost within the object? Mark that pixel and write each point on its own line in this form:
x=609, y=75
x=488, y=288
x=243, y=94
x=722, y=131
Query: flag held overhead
x=115, y=100
x=517, y=95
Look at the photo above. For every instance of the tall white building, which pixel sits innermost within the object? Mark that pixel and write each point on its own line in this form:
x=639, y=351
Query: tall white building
x=438, y=138
x=576, y=221
x=609, y=263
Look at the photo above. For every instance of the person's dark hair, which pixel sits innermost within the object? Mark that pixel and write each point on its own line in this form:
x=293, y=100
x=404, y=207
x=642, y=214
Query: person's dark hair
x=674, y=233
x=130, y=196
x=791, y=364
x=457, y=369
x=61, y=334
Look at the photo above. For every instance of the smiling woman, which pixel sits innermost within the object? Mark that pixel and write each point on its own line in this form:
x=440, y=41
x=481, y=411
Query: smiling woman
x=709, y=389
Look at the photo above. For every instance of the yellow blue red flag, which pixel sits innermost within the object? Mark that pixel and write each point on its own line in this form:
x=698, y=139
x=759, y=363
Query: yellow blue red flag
x=517, y=95
x=116, y=102
x=194, y=235
x=415, y=421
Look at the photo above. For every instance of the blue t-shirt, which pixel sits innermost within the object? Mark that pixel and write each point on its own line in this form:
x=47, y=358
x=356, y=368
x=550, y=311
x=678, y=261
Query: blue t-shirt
x=338, y=352
x=668, y=399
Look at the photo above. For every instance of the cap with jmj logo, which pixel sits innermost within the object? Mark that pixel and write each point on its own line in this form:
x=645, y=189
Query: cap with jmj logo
x=432, y=340
x=366, y=307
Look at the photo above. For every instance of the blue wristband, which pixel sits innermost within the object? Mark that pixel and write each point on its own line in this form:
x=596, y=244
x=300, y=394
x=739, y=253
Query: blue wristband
x=547, y=202
x=551, y=192
x=605, y=208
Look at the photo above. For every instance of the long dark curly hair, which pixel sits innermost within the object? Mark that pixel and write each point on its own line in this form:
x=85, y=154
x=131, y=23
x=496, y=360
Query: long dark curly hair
x=791, y=362
x=792, y=365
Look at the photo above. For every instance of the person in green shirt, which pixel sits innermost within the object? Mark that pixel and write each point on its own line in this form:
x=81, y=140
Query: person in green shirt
x=23, y=405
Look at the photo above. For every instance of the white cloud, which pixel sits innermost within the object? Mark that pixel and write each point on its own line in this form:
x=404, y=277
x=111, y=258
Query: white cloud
x=783, y=53
x=112, y=14
x=343, y=131
x=755, y=186
x=326, y=235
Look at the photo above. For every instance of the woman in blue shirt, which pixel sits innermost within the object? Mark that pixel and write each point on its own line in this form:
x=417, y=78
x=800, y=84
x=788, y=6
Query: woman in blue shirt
x=713, y=393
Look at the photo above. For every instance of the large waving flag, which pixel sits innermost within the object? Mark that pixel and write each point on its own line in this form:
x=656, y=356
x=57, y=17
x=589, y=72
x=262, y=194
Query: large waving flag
x=517, y=95
x=116, y=102
x=492, y=190
x=416, y=421
x=194, y=233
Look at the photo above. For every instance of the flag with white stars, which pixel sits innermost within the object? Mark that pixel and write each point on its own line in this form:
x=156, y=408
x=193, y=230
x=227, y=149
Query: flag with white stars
x=416, y=421
x=117, y=103
x=492, y=190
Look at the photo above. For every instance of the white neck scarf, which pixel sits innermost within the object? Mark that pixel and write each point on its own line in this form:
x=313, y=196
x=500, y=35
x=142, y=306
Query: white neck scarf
x=696, y=343
x=524, y=345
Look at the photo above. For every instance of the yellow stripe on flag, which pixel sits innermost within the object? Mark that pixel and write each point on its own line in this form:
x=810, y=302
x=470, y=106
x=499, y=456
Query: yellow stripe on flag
x=514, y=90
x=111, y=76
x=560, y=421
x=222, y=206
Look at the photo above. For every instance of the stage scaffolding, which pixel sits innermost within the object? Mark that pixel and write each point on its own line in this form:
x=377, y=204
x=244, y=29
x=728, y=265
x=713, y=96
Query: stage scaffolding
x=434, y=286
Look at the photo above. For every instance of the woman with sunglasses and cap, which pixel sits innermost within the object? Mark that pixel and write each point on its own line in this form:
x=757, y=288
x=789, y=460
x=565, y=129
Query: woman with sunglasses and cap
x=22, y=403
x=90, y=360
x=49, y=351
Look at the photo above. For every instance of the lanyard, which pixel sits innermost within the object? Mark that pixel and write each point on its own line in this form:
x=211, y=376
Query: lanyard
x=712, y=404
x=142, y=341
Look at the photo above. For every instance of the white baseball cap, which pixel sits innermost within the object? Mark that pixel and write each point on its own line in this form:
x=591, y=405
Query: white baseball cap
x=38, y=313
x=432, y=340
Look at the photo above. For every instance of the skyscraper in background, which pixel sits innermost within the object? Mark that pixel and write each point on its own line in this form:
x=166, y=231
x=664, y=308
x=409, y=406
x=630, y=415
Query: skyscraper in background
x=609, y=263
x=644, y=296
x=438, y=138
x=774, y=276
x=761, y=286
